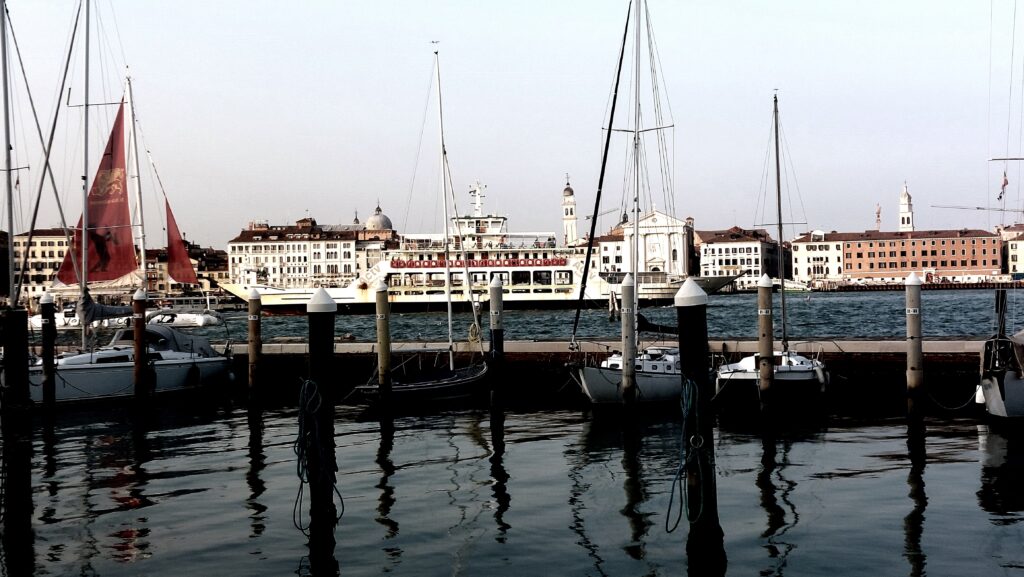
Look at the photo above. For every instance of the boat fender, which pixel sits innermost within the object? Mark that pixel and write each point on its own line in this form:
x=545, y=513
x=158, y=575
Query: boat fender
x=192, y=377
x=822, y=376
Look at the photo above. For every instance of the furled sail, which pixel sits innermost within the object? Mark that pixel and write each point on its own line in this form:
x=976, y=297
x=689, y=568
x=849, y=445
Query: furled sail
x=179, y=266
x=89, y=310
x=111, y=259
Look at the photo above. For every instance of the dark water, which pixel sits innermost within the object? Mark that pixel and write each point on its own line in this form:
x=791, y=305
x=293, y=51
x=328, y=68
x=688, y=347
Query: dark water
x=959, y=313
x=545, y=493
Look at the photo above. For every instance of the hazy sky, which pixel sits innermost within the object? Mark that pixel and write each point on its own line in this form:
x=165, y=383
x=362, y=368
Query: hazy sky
x=266, y=110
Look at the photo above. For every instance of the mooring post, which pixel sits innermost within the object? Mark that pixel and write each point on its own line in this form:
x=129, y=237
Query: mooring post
x=15, y=341
x=705, y=546
x=765, y=341
x=319, y=432
x=915, y=352
x=496, y=306
x=628, y=340
x=48, y=312
x=383, y=344
x=139, y=379
x=255, y=336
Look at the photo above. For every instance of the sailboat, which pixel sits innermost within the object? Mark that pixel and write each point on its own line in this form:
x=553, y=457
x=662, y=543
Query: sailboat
x=104, y=241
x=1001, y=390
x=792, y=371
x=651, y=375
x=411, y=382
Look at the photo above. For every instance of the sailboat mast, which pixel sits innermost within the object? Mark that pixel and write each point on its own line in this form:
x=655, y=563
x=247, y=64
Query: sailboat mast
x=635, y=248
x=7, y=159
x=444, y=201
x=138, y=186
x=84, y=235
x=778, y=205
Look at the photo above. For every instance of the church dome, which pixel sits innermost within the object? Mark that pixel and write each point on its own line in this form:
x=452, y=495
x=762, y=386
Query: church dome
x=568, y=190
x=378, y=221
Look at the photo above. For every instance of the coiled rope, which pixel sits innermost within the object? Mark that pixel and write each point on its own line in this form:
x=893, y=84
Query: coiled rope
x=689, y=451
x=308, y=438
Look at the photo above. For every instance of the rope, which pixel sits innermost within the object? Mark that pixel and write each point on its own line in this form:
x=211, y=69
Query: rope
x=951, y=409
x=688, y=401
x=308, y=437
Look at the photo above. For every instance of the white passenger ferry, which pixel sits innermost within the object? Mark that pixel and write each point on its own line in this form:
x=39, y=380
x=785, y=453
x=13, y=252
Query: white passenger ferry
x=535, y=272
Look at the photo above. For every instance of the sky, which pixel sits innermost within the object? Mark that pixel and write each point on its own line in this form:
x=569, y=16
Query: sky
x=258, y=110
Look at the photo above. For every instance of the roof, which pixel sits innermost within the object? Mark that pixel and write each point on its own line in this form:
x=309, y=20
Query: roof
x=44, y=232
x=734, y=234
x=871, y=235
x=284, y=233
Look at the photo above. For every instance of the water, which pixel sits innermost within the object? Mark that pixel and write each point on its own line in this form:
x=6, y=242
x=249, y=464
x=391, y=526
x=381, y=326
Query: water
x=211, y=492
x=812, y=316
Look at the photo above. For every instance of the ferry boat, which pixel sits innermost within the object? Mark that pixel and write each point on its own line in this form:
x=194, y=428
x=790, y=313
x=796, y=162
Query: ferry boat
x=536, y=273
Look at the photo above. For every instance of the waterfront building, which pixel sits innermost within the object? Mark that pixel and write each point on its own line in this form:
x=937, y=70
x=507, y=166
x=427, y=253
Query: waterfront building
x=44, y=255
x=964, y=255
x=817, y=256
x=737, y=251
x=308, y=254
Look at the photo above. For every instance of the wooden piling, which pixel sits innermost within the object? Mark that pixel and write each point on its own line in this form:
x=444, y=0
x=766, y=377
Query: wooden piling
x=496, y=306
x=255, y=335
x=139, y=379
x=15, y=341
x=628, y=340
x=705, y=542
x=915, y=351
x=48, y=312
x=765, y=340
x=383, y=344
x=322, y=466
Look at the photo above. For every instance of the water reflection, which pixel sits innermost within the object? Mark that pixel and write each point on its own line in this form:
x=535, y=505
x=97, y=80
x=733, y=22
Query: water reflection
x=499, y=476
x=1002, y=475
x=776, y=491
x=636, y=492
x=18, y=537
x=387, y=469
x=257, y=462
x=913, y=523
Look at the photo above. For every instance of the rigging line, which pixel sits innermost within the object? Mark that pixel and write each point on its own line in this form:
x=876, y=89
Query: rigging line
x=761, y=205
x=653, y=62
x=117, y=33
x=791, y=168
x=47, y=145
x=419, y=150
x=600, y=182
x=1009, y=100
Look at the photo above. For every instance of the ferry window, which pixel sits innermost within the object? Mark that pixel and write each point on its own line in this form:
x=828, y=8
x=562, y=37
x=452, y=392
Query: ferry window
x=479, y=278
x=502, y=275
x=456, y=279
x=563, y=277
x=520, y=277
x=542, y=277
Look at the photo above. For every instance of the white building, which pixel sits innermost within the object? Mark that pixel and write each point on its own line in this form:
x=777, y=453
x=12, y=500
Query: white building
x=569, y=231
x=45, y=254
x=737, y=251
x=816, y=258
x=307, y=254
x=906, y=211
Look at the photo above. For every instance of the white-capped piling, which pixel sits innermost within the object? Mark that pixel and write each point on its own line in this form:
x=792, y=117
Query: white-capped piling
x=628, y=340
x=705, y=538
x=255, y=335
x=915, y=352
x=140, y=370
x=48, y=312
x=765, y=338
x=496, y=310
x=318, y=419
x=383, y=343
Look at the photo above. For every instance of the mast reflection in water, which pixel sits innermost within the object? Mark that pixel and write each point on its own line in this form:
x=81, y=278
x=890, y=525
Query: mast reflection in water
x=474, y=493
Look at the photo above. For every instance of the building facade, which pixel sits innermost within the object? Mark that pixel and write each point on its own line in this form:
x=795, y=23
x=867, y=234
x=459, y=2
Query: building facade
x=964, y=255
x=308, y=254
x=738, y=251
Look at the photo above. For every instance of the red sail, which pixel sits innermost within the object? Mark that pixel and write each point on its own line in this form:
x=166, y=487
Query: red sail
x=111, y=245
x=179, y=266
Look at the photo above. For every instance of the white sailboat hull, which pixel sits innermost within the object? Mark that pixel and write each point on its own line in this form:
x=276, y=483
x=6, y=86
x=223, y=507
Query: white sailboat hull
x=604, y=386
x=86, y=382
x=1006, y=403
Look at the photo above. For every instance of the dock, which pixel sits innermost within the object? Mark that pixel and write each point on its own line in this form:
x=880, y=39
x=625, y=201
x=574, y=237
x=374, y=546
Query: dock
x=864, y=373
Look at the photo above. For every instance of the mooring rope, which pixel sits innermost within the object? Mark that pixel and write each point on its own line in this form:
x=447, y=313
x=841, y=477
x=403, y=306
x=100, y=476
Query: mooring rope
x=688, y=401
x=951, y=409
x=309, y=437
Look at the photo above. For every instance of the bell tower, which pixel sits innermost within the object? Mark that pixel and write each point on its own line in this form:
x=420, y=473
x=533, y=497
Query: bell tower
x=906, y=210
x=569, y=234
